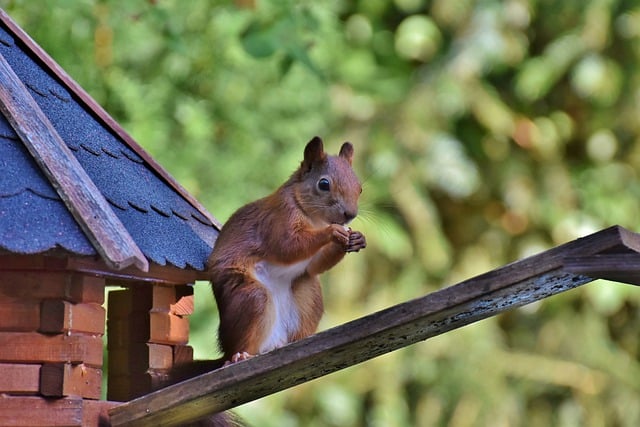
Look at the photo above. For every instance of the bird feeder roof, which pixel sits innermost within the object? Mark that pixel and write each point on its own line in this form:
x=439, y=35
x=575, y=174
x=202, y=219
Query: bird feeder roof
x=157, y=215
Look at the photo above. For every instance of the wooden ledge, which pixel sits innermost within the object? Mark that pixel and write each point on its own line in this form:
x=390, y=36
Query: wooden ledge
x=94, y=266
x=618, y=267
x=38, y=411
x=489, y=294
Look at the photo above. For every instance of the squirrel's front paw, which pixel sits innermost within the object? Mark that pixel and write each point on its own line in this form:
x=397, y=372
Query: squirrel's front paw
x=340, y=235
x=357, y=241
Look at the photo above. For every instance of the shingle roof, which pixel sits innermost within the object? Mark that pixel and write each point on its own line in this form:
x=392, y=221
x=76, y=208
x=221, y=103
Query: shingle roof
x=160, y=216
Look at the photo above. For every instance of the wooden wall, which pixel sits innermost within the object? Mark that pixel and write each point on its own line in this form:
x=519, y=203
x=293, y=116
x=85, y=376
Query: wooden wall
x=148, y=333
x=51, y=349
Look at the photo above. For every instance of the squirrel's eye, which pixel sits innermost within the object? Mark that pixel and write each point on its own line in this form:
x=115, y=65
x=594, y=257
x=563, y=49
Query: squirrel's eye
x=324, y=185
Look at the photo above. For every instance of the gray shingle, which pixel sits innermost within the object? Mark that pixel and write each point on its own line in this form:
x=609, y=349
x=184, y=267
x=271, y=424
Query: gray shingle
x=33, y=219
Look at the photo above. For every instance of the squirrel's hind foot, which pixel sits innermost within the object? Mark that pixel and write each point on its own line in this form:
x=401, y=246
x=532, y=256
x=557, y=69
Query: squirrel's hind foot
x=241, y=355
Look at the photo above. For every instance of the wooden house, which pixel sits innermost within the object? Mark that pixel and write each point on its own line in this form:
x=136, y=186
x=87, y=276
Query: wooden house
x=84, y=207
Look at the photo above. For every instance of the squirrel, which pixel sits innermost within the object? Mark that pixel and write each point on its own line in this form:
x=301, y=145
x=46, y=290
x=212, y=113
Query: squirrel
x=265, y=264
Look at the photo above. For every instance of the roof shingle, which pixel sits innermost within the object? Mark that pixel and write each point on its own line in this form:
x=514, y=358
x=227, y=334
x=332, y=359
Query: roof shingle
x=33, y=219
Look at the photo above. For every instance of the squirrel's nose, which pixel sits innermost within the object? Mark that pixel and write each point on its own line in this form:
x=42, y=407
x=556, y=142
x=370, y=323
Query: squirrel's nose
x=348, y=216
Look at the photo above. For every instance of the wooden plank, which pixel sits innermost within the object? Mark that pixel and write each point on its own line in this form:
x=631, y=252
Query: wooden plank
x=489, y=294
x=58, y=316
x=32, y=411
x=618, y=267
x=19, y=315
x=85, y=289
x=22, y=411
x=81, y=196
x=167, y=328
x=19, y=378
x=13, y=262
x=32, y=347
x=69, y=286
x=158, y=274
x=66, y=379
x=185, y=304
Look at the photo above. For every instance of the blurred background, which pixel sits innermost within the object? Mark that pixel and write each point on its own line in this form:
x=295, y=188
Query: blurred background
x=485, y=131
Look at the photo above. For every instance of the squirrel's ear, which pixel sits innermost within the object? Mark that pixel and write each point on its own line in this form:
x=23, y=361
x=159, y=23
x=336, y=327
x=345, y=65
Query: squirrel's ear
x=346, y=152
x=313, y=152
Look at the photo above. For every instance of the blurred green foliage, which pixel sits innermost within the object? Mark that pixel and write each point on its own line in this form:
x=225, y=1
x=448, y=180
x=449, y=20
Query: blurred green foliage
x=485, y=131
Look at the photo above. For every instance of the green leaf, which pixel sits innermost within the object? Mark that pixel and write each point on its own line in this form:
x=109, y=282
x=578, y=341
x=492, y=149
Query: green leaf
x=259, y=41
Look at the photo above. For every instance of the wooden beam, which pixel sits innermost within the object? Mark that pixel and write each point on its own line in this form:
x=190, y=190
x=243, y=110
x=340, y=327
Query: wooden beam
x=19, y=378
x=32, y=347
x=619, y=267
x=511, y=286
x=59, y=316
x=81, y=196
x=167, y=328
x=167, y=275
x=42, y=284
x=19, y=315
x=36, y=411
x=184, y=304
x=66, y=379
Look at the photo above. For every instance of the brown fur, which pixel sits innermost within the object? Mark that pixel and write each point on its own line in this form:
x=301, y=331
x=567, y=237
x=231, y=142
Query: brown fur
x=299, y=221
x=307, y=294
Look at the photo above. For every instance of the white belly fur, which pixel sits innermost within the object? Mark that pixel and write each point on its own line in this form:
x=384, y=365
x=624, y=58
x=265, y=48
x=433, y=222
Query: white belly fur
x=277, y=279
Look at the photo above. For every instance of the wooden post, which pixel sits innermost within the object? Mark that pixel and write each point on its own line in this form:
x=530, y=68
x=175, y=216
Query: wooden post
x=147, y=337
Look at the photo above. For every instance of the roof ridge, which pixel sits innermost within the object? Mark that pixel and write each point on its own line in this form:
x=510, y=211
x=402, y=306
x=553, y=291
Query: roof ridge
x=79, y=193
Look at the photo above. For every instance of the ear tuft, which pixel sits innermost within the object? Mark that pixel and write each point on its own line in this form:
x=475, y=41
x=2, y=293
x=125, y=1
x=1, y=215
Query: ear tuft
x=313, y=152
x=346, y=152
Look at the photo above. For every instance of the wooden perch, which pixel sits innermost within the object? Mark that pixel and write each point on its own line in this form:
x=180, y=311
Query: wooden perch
x=81, y=196
x=618, y=267
x=487, y=295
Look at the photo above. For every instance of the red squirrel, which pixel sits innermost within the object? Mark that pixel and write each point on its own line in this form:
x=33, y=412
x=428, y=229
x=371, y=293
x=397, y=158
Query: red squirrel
x=265, y=264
